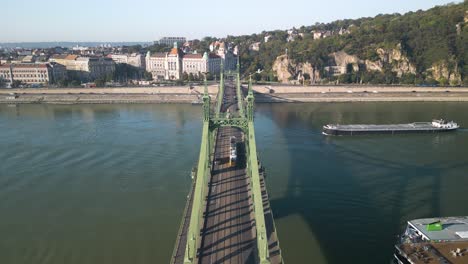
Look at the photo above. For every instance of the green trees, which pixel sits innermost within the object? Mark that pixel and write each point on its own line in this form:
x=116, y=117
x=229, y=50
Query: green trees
x=101, y=82
x=148, y=76
x=16, y=84
x=159, y=48
x=424, y=37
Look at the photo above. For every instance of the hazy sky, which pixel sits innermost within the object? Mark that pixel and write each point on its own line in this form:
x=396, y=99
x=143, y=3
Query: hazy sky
x=147, y=20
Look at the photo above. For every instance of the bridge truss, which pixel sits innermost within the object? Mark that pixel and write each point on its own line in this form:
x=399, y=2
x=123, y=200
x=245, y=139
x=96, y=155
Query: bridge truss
x=243, y=119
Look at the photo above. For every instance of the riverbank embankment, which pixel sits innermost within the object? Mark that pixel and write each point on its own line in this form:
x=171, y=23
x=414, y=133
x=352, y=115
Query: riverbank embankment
x=177, y=94
x=264, y=94
x=302, y=94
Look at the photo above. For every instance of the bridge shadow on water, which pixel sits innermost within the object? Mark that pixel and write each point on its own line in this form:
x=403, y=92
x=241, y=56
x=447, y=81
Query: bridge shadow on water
x=354, y=202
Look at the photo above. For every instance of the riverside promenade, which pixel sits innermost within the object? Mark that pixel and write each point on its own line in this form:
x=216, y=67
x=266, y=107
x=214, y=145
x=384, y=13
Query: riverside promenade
x=264, y=94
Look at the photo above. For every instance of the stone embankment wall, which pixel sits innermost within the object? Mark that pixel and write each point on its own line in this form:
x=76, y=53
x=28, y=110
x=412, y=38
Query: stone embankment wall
x=264, y=94
x=99, y=98
x=179, y=94
x=212, y=89
x=284, y=89
x=301, y=94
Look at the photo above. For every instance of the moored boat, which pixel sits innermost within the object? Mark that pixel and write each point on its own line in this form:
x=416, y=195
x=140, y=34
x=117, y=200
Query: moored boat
x=434, y=240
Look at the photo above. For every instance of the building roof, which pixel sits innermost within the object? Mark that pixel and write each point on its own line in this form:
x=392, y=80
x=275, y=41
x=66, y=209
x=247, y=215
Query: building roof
x=24, y=65
x=59, y=56
x=55, y=64
x=28, y=58
x=214, y=56
x=453, y=228
x=193, y=56
x=176, y=51
x=71, y=57
x=158, y=55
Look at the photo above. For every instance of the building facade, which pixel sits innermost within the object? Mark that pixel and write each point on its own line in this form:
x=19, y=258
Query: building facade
x=136, y=60
x=165, y=66
x=226, y=54
x=172, y=65
x=169, y=41
x=196, y=64
x=33, y=73
x=156, y=64
x=86, y=68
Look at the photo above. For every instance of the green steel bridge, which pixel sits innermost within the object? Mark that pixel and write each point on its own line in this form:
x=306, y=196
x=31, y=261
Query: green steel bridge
x=227, y=218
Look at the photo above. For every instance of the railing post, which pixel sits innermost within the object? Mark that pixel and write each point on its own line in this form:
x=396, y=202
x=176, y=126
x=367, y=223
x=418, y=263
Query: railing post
x=220, y=91
x=240, y=104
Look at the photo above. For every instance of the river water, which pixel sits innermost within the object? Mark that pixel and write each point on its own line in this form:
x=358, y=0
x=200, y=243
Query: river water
x=108, y=183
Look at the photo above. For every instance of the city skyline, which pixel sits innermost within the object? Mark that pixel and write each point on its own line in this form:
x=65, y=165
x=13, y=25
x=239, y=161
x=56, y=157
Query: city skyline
x=144, y=20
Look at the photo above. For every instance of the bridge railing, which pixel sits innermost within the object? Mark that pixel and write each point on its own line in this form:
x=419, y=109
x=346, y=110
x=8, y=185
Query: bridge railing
x=199, y=196
x=185, y=213
x=259, y=213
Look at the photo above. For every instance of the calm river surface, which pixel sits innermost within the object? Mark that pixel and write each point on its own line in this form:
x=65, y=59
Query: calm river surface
x=107, y=183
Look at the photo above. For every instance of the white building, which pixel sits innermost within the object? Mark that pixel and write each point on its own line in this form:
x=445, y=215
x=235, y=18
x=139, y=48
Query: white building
x=156, y=64
x=335, y=70
x=172, y=65
x=228, y=58
x=136, y=60
x=195, y=63
x=168, y=41
x=255, y=46
x=167, y=66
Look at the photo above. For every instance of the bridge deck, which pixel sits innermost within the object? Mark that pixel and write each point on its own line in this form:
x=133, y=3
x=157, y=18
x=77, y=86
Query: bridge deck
x=228, y=232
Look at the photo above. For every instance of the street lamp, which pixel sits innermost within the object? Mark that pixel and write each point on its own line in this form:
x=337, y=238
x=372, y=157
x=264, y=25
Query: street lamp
x=257, y=72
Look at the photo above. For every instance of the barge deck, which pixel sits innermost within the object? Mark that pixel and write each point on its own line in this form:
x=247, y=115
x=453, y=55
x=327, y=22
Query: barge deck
x=417, y=127
x=434, y=240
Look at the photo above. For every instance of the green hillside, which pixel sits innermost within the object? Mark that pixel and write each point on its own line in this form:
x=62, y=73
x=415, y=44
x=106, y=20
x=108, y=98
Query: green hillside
x=428, y=47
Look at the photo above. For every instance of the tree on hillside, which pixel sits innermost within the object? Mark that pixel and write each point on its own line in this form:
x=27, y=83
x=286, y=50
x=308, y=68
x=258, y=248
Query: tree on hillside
x=424, y=37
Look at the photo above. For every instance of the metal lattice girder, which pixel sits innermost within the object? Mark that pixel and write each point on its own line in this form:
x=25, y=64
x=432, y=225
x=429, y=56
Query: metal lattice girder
x=253, y=171
x=201, y=183
x=240, y=103
x=250, y=102
x=239, y=122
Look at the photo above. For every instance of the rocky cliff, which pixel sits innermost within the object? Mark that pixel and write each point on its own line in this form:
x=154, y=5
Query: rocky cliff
x=288, y=71
x=399, y=62
x=445, y=74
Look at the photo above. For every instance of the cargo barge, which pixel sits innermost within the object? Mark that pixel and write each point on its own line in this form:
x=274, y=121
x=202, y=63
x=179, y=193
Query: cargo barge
x=433, y=240
x=417, y=127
